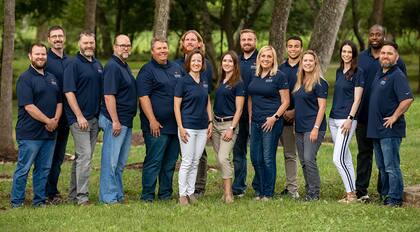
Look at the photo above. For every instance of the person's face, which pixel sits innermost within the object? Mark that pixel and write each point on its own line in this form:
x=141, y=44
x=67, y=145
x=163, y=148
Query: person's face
x=267, y=59
x=227, y=63
x=38, y=57
x=87, y=46
x=294, y=48
x=388, y=56
x=308, y=63
x=196, y=63
x=56, y=39
x=190, y=42
x=376, y=37
x=346, y=54
x=160, y=51
x=122, y=47
x=248, y=42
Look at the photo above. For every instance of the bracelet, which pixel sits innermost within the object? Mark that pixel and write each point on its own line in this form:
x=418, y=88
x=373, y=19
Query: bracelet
x=317, y=127
x=211, y=121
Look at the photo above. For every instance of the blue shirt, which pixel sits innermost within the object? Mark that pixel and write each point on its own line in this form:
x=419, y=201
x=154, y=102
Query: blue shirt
x=370, y=67
x=344, y=93
x=225, y=99
x=248, y=67
x=306, y=107
x=119, y=81
x=388, y=90
x=265, y=96
x=158, y=82
x=194, y=102
x=84, y=79
x=43, y=92
x=206, y=75
x=291, y=74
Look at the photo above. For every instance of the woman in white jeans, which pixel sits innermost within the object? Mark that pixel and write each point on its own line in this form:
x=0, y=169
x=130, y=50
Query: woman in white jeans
x=348, y=91
x=194, y=119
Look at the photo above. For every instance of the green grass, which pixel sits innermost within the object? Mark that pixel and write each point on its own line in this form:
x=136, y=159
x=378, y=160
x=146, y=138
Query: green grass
x=210, y=214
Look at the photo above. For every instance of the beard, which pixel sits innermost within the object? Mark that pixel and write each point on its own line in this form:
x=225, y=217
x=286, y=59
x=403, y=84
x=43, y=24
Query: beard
x=386, y=65
x=87, y=52
x=39, y=64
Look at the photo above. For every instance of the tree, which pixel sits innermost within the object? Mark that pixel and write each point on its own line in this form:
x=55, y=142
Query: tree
x=7, y=149
x=279, y=26
x=90, y=15
x=356, y=21
x=160, y=24
x=377, y=16
x=326, y=28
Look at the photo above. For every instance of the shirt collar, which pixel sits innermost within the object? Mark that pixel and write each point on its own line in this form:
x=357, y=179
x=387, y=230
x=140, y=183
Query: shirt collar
x=253, y=56
x=119, y=61
x=83, y=59
x=55, y=56
x=390, y=71
x=34, y=72
x=163, y=66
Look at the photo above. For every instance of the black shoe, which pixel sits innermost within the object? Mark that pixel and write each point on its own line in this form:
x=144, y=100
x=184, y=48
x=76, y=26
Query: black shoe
x=284, y=192
x=308, y=198
x=238, y=194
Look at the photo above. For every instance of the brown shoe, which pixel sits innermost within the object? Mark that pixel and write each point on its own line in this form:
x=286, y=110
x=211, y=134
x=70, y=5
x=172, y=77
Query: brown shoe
x=192, y=199
x=349, y=198
x=183, y=201
x=85, y=203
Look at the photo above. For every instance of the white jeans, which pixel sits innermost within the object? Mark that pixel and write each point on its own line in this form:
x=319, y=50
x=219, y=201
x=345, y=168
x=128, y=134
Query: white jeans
x=191, y=153
x=342, y=156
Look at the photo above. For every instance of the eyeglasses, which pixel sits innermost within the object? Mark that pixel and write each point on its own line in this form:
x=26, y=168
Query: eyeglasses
x=123, y=45
x=57, y=36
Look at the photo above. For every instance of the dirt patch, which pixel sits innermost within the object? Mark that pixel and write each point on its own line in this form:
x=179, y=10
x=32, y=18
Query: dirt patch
x=5, y=177
x=8, y=155
x=137, y=139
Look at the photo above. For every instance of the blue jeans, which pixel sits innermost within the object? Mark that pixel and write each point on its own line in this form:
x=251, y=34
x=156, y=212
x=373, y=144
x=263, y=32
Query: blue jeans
x=263, y=147
x=387, y=154
x=239, y=156
x=115, y=150
x=38, y=152
x=161, y=156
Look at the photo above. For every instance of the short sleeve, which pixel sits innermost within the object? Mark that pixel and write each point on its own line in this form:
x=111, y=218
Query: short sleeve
x=111, y=79
x=239, y=89
x=401, y=88
x=401, y=65
x=179, y=88
x=144, y=82
x=24, y=92
x=70, y=78
x=321, y=89
x=282, y=82
x=359, y=78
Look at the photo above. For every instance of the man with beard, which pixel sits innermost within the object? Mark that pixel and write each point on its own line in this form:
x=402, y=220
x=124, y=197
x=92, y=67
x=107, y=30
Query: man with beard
x=390, y=98
x=248, y=42
x=191, y=40
x=155, y=88
x=82, y=87
x=116, y=120
x=368, y=61
x=56, y=63
x=294, y=47
x=39, y=109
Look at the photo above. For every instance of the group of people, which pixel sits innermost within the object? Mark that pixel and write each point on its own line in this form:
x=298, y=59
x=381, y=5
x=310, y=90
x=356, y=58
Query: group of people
x=255, y=100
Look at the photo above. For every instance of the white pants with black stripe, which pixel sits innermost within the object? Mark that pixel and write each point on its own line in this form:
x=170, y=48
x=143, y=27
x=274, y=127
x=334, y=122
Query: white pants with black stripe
x=342, y=156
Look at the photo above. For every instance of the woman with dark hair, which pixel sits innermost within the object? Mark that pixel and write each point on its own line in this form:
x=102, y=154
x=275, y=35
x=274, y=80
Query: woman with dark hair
x=310, y=97
x=268, y=100
x=228, y=105
x=194, y=119
x=348, y=90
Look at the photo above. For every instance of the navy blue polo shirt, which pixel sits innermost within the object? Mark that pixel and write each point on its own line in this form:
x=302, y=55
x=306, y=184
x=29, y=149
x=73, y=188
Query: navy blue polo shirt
x=206, y=75
x=248, y=67
x=225, y=99
x=306, y=107
x=265, y=96
x=119, y=81
x=84, y=79
x=194, y=102
x=370, y=67
x=158, y=82
x=388, y=90
x=344, y=93
x=42, y=91
x=291, y=74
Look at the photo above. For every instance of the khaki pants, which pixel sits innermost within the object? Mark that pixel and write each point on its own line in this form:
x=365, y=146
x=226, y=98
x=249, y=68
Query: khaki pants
x=287, y=140
x=222, y=148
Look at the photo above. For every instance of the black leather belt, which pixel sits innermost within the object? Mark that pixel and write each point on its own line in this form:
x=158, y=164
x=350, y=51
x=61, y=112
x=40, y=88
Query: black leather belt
x=225, y=119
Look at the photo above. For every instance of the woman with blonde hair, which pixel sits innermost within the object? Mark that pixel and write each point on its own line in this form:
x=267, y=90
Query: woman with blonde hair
x=310, y=97
x=268, y=99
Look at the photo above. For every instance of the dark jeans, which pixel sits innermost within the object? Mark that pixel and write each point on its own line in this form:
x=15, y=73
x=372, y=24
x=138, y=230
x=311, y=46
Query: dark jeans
x=200, y=182
x=58, y=158
x=239, y=156
x=161, y=156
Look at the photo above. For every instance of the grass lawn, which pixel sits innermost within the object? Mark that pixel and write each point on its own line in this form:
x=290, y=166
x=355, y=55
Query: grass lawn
x=210, y=214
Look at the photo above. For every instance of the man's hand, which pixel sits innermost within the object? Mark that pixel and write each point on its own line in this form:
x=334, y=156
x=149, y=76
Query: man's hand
x=83, y=123
x=116, y=128
x=155, y=127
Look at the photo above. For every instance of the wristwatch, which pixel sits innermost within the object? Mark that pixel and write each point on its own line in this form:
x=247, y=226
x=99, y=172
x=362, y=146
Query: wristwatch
x=277, y=117
x=232, y=128
x=350, y=117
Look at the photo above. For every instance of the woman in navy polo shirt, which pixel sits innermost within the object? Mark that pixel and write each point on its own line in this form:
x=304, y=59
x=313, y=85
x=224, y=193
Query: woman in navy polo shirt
x=228, y=105
x=348, y=91
x=194, y=119
x=268, y=99
x=310, y=97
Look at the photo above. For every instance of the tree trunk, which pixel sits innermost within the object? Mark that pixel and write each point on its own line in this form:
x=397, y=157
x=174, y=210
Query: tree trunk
x=7, y=148
x=377, y=16
x=227, y=23
x=207, y=34
x=325, y=29
x=118, y=17
x=104, y=29
x=161, y=20
x=356, y=20
x=90, y=15
x=278, y=26
x=42, y=31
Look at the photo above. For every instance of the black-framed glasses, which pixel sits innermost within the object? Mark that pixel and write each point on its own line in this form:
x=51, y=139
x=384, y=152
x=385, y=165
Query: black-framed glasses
x=123, y=45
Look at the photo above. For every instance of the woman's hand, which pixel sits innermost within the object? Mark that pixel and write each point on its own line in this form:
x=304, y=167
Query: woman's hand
x=184, y=135
x=345, y=128
x=227, y=136
x=209, y=130
x=269, y=123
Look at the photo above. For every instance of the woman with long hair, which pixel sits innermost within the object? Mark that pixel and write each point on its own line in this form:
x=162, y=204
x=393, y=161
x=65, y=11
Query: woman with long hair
x=348, y=90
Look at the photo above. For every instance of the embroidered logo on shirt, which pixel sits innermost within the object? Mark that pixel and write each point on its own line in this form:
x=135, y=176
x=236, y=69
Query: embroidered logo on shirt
x=269, y=80
x=254, y=66
x=383, y=82
x=177, y=74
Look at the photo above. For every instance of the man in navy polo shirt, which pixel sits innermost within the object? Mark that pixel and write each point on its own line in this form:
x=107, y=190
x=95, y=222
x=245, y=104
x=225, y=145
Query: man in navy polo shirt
x=116, y=120
x=189, y=41
x=39, y=109
x=155, y=88
x=82, y=87
x=247, y=60
x=368, y=60
x=56, y=63
x=294, y=47
x=390, y=98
